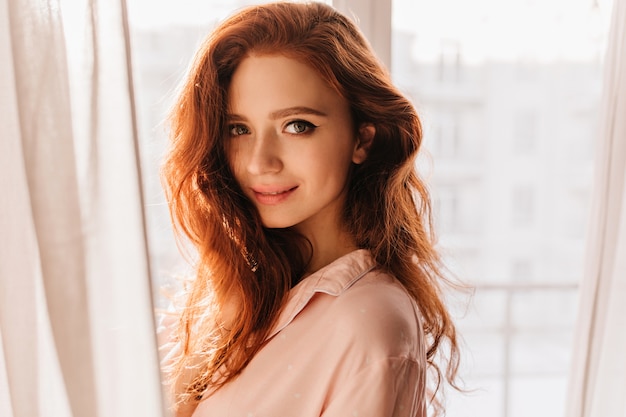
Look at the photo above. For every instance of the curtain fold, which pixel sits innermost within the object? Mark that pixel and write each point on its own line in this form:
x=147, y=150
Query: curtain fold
x=76, y=323
x=598, y=377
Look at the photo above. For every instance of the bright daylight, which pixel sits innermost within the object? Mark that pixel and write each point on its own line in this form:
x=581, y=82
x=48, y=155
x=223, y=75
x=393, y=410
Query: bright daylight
x=384, y=208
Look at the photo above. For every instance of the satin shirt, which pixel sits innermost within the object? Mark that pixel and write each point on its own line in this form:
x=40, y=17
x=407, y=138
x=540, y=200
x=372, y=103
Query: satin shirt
x=349, y=342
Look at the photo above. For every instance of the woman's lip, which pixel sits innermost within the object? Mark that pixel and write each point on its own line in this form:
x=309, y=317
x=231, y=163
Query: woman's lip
x=272, y=196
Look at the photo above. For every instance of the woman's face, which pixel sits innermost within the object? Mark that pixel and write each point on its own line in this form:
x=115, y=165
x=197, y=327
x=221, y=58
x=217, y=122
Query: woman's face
x=290, y=143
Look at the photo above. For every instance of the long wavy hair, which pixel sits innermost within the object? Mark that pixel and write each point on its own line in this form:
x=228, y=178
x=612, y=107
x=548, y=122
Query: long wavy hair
x=242, y=264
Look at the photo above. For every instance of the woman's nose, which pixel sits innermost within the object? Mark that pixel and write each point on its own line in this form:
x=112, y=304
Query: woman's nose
x=264, y=157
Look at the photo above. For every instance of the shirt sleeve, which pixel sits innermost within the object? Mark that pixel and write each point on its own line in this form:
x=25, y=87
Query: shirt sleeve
x=392, y=387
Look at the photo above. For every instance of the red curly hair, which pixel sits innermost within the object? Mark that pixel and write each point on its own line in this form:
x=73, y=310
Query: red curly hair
x=387, y=209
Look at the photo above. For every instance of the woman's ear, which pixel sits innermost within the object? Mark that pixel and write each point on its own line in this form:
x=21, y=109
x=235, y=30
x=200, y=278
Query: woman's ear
x=367, y=131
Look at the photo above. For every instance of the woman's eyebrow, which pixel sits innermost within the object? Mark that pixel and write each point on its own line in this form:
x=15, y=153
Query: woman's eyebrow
x=235, y=117
x=278, y=114
x=290, y=111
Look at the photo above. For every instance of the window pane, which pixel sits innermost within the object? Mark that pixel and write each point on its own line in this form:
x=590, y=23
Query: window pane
x=508, y=92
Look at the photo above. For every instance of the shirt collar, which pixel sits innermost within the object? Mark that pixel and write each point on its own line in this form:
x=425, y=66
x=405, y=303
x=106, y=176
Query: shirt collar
x=333, y=279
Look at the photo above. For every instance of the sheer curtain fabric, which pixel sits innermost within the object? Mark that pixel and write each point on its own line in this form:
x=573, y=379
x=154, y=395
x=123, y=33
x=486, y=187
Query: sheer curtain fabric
x=598, y=380
x=76, y=323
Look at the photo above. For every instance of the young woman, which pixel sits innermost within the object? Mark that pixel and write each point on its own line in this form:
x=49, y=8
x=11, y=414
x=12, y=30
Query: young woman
x=291, y=170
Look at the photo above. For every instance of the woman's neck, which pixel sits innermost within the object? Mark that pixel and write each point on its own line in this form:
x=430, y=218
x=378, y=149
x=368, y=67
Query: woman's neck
x=328, y=247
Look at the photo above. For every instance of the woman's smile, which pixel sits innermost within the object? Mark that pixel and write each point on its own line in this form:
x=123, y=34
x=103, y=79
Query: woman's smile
x=272, y=196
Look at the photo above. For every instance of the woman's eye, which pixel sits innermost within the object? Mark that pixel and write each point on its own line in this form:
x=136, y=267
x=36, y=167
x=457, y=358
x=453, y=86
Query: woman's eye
x=298, y=127
x=237, y=130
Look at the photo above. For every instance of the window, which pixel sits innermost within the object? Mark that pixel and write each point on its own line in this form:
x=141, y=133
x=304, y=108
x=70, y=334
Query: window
x=509, y=115
x=449, y=65
x=446, y=210
x=522, y=206
x=524, y=132
x=446, y=132
x=521, y=270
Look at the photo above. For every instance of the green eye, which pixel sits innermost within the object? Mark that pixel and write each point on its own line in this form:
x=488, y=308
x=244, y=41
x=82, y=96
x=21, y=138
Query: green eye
x=298, y=127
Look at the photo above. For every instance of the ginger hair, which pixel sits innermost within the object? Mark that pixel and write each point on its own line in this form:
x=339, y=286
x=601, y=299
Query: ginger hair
x=387, y=209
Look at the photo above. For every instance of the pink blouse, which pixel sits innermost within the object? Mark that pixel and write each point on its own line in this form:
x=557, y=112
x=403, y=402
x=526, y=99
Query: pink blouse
x=349, y=342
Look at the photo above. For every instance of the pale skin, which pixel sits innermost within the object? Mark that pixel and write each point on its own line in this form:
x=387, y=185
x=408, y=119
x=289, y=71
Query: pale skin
x=292, y=145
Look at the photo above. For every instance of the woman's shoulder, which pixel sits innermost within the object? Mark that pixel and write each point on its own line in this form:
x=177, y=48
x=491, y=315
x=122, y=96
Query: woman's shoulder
x=378, y=312
x=378, y=290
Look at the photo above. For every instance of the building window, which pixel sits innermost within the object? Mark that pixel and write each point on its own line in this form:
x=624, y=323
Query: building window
x=522, y=206
x=449, y=61
x=524, y=132
x=446, y=209
x=521, y=270
x=447, y=130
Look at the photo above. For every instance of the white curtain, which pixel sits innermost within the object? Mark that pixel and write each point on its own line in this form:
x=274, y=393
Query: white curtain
x=598, y=380
x=76, y=323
